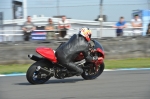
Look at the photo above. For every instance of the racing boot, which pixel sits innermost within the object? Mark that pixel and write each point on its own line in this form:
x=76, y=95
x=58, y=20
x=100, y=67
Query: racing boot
x=73, y=69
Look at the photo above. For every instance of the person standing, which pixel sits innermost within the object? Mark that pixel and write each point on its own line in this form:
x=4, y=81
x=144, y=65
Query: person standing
x=148, y=29
x=120, y=26
x=51, y=29
x=136, y=24
x=28, y=27
x=63, y=25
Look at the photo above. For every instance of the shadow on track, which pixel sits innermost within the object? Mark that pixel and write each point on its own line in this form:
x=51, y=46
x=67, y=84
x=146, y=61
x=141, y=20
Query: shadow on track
x=56, y=81
x=63, y=81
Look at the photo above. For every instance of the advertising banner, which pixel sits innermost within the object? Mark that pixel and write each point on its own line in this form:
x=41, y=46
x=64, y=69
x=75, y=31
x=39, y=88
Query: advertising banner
x=36, y=35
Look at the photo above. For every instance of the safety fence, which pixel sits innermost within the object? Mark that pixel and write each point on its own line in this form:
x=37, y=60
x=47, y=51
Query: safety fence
x=17, y=35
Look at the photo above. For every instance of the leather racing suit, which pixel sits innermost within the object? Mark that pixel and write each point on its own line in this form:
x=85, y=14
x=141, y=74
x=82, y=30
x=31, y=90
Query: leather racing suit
x=67, y=52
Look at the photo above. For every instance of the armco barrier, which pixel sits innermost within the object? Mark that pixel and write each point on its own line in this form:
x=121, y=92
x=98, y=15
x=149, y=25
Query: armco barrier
x=17, y=35
x=115, y=48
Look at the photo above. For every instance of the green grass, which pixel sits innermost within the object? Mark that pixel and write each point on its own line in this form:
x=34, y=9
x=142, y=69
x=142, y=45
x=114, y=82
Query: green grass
x=109, y=64
x=128, y=63
x=19, y=68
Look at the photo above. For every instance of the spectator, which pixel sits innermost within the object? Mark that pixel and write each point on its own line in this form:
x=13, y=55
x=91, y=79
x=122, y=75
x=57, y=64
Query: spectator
x=120, y=25
x=63, y=25
x=148, y=30
x=28, y=27
x=136, y=24
x=51, y=27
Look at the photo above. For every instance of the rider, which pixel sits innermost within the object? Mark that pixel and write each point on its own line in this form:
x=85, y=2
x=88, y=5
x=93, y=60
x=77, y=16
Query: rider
x=67, y=52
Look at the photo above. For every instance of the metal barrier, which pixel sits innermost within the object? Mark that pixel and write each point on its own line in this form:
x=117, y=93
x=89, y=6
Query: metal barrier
x=6, y=36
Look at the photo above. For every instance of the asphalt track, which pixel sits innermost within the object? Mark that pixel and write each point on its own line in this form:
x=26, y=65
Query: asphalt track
x=110, y=85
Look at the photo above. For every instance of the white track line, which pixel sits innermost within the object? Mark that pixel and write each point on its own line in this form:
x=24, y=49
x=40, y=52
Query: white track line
x=125, y=69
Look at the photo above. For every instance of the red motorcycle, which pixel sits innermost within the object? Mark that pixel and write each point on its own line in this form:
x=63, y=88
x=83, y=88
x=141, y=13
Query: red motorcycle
x=47, y=66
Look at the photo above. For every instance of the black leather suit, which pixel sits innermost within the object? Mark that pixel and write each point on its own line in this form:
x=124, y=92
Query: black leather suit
x=68, y=51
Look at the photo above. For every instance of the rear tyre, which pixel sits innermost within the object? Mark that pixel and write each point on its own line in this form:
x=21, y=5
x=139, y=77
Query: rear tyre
x=87, y=76
x=36, y=77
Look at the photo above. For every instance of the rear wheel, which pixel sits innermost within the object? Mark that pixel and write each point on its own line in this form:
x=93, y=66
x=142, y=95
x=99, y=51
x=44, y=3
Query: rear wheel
x=92, y=72
x=36, y=77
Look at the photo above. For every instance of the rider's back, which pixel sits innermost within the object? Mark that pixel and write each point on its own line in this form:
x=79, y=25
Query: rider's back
x=71, y=49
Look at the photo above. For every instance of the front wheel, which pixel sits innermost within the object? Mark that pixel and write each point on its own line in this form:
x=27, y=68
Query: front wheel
x=91, y=73
x=36, y=77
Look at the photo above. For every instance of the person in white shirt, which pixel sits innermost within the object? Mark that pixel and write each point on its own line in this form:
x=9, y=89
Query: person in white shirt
x=63, y=25
x=136, y=24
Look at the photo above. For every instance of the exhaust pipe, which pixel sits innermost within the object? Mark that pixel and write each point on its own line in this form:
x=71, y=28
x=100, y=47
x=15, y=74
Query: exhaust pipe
x=39, y=68
x=33, y=57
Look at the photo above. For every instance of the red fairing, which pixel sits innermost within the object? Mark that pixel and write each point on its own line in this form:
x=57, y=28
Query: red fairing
x=47, y=53
x=101, y=51
x=100, y=59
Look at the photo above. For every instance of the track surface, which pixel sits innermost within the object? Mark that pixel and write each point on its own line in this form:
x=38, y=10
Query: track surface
x=110, y=85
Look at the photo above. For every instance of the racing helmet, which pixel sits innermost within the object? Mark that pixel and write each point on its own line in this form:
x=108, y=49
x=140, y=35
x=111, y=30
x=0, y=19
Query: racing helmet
x=86, y=33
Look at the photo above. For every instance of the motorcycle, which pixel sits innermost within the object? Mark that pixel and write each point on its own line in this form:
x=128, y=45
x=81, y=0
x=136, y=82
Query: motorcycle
x=48, y=66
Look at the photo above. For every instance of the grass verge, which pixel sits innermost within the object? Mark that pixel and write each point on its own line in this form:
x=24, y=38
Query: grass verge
x=109, y=64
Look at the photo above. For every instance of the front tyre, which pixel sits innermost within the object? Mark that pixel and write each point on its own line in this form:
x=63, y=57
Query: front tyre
x=91, y=74
x=36, y=77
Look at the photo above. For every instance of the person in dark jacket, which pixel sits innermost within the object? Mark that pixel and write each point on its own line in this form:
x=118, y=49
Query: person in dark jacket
x=67, y=52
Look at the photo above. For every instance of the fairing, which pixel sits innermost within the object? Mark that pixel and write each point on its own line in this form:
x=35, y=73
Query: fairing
x=97, y=45
x=47, y=53
x=98, y=48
